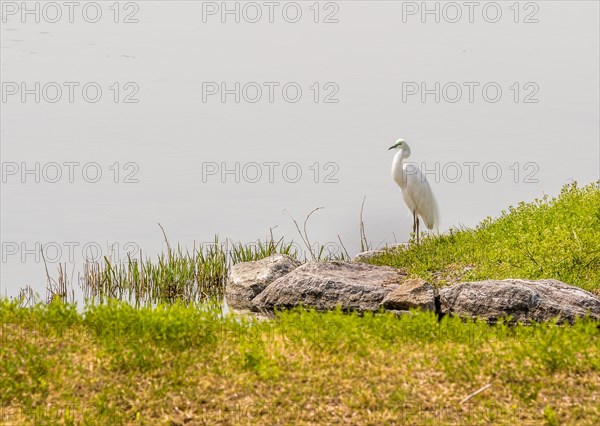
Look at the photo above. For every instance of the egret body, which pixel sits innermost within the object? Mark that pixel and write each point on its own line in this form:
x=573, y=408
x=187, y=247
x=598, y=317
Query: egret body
x=416, y=191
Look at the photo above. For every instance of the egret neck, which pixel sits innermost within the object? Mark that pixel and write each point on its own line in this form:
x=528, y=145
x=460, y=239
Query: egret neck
x=398, y=172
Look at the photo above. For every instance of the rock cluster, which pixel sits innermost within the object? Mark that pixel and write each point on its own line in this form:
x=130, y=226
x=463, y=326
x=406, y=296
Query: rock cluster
x=280, y=282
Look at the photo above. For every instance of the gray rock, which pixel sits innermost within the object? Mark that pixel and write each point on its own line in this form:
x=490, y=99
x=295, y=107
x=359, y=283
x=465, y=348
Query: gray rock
x=366, y=255
x=248, y=279
x=325, y=285
x=413, y=293
x=539, y=300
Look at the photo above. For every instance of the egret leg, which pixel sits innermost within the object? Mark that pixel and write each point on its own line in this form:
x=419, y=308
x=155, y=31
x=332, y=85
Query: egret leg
x=414, y=222
x=417, y=230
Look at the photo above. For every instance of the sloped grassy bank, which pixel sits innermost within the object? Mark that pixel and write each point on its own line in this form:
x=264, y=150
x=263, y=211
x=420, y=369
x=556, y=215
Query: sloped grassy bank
x=548, y=238
x=176, y=364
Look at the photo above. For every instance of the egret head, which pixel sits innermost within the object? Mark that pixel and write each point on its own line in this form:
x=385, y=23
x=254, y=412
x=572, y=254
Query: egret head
x=402, y=145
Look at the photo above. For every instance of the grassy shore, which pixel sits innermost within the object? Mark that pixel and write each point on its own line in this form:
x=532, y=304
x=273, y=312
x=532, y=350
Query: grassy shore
x=176, y=364
x=184, y=363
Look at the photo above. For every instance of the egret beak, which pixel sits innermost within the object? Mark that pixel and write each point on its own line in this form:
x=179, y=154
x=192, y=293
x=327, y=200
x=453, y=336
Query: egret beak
x=392, y=147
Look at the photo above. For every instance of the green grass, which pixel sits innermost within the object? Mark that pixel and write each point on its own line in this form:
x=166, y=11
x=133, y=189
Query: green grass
x=547, y=238
x=177, y=275
x=178, y=364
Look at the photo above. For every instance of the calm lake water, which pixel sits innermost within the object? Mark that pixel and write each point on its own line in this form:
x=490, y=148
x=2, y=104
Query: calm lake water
x=228, y=128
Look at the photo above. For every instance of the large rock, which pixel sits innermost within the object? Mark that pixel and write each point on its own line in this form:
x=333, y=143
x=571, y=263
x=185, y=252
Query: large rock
x=248, y=279
x=413, y=293
x=325, y=285
x=524, y=300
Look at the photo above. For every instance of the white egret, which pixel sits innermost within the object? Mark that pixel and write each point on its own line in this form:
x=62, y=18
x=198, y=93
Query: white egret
x=416, y=191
